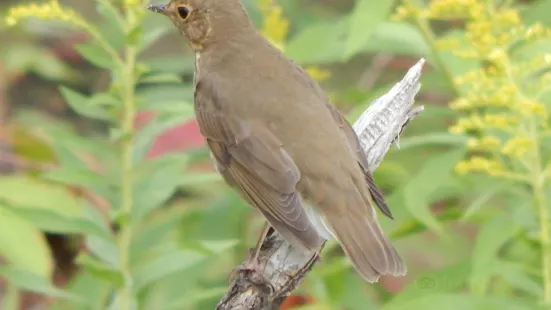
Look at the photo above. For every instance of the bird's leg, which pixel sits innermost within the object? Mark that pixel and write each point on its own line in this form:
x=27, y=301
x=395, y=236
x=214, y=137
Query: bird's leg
x=252, y=263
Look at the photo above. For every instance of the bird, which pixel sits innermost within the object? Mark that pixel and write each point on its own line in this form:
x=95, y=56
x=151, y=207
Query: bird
x=276, y=138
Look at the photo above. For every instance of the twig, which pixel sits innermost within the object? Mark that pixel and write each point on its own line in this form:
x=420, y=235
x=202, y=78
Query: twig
x=285, y=266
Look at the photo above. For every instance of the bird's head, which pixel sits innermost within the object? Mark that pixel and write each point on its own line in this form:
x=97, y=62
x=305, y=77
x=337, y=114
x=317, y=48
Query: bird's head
x=202, y=21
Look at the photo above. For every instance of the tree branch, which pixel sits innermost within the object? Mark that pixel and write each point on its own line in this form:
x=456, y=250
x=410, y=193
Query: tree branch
x=282, y=264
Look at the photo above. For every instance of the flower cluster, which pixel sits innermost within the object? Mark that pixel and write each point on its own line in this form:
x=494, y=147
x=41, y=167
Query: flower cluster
x=48, y=11
x=502, y=101
x=275, y=28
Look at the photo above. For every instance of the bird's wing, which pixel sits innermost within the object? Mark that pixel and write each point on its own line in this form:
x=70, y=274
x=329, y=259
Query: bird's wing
x=252, y=159
x=354, y=143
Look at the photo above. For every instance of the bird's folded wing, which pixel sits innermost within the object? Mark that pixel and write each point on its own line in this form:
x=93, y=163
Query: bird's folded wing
x=354, y=143
x=252, y=158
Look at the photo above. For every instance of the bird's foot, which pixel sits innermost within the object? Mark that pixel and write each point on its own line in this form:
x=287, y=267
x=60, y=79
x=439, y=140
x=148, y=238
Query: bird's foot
x=254, y=272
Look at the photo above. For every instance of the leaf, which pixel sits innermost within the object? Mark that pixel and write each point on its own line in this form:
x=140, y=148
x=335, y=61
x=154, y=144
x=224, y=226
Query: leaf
x=104, y=249
x=151, y=35
x=448, y=279
x=219, y=246
x=367, y=14
x=538, y=12
x=101, y=270
x=29, y=281
x=112, y=28
x=42, y=61
x=483, y=199
x=52, y=222
x=14, y=190
x=516, y=277
x=437, y=138
x=90, y=289
x=397, y=38
x=83, y=177
x=494, y=233
x=177, y=64
x=193, y=297
x=23, y=245
x=83, y=105
x=160, y=267
x=96, y=55
x=190, y=179
x=157, y=182
x=417, y=193
x=461, y=301
x=146, y=135
x=320, y=43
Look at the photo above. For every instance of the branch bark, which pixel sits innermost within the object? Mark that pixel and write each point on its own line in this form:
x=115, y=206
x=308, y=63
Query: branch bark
x=285, y=266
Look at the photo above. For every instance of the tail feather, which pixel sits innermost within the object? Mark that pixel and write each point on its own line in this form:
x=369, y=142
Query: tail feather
x=367, y=247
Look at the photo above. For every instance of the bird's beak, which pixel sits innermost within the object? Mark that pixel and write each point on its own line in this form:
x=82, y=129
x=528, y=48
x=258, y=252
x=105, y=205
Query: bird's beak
x=158, y=8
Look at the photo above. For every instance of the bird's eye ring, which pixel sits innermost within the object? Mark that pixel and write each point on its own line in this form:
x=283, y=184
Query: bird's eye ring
x=183, y=11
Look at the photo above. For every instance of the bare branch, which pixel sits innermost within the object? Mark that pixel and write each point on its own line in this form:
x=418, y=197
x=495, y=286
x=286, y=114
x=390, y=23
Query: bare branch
x=283, y=265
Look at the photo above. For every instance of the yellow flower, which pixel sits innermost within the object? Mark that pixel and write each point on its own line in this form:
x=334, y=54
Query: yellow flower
x=47, y=11
x=479, y=164
x=317, y=73
x=274, y=27
x=517, y=147
x=485, y=143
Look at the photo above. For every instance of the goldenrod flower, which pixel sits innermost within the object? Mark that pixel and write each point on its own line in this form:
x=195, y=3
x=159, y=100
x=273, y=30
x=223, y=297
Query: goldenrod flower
x=48, y=11
x=517, y=147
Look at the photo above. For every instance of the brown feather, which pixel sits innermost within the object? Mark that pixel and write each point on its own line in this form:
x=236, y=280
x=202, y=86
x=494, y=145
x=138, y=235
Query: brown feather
x=275, y=137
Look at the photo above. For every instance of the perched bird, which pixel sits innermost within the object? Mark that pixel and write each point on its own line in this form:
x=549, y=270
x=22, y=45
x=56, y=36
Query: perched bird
x=277, y=139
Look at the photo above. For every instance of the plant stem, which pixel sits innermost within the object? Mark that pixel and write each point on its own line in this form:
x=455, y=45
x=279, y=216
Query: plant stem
x=538, y=190
x=423, y=25
x=11, y=297
x=125, y=236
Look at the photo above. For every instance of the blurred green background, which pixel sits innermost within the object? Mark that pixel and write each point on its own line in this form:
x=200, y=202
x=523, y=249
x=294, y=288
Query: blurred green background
x=108, y=199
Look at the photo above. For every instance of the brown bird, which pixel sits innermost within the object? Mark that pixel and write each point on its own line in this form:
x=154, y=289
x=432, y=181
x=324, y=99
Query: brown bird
x=275, y=137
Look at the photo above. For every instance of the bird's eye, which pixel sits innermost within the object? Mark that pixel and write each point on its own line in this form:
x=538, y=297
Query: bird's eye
x=183, y=12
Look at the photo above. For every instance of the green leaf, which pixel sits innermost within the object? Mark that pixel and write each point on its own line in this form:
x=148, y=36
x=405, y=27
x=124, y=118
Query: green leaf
x=397, y=38
x=15, y=190
x=104, y=249
x=484, y=198
x=96, y=55
x=29, y=281
x=164, y=265
x=515, y=275
x=429, y=139
x=193, y=297
x=83, y=105
x=418, y=192
x=147, y=134
x=448, y=279
x=538, y=12
x=101, y=270
x=112, y=28
x=23, y=245
x=151, y=35
x=157, y=182
x=172, y=64
x=163, y=77
x=319, y=43
x=190, y=179
x=83, y=177
x=366, y=16
x=494, y=233
x=461, y=301
x=89, y=288
x=53, y=222
x=42, y=61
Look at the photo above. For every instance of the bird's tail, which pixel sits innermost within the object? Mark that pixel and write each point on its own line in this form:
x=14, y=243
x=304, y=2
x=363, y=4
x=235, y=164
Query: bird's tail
x=367, y=247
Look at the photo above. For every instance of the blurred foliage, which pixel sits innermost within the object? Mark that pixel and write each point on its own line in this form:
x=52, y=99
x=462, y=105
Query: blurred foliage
x=469, y=187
